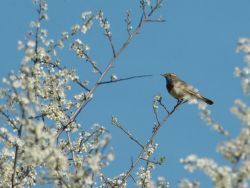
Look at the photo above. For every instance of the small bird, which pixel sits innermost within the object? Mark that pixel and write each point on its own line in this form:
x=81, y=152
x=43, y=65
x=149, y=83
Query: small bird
x=183, y=91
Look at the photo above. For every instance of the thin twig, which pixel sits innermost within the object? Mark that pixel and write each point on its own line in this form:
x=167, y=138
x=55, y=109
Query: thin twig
x=107, y=181
x=75, y=80
x=133, y=178
x=111, y=44
x=128, y=22
x=84, y=140
x=143, y=7
x=71, y=119
x=157, y=119
x=150, y=161
x=108, y=34
x=144, y=183
x=12, y=122
x=93, y=64
x=155, y=20
x=160, y=102
x=44, y=114
x=158, y=4
x=71, y=148
x=123, y=79
x=128, y=134
x=37, y=29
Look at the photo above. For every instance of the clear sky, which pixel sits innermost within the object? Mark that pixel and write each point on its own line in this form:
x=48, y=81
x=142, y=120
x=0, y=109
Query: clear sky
x=197, y=42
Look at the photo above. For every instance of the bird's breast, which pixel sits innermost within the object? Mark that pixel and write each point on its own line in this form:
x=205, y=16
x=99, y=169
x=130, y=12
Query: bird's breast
x=170, y=86
x=175, y=90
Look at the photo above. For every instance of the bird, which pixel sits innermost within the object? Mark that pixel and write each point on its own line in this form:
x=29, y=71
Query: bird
x=181, y=90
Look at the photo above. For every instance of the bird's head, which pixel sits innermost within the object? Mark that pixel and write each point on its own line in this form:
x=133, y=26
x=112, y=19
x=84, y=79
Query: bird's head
x=169, y=76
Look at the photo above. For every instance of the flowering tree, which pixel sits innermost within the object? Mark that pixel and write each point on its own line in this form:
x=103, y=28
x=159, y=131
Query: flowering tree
x=41, y=140
x=235, y=150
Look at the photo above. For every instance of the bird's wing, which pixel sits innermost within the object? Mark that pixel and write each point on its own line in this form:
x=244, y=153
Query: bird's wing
x=191, y=91
x=182, y=86
x=196, y=95
x=180, y=83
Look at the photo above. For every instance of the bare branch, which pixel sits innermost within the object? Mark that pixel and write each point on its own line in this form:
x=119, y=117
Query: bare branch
x=155, y=20
x=151, y=161
x=123, y=79
x=128, y=23
x=160, y=102
x=156, y=117
x=133, y=178
x=155, y=132
x=9, y=119
x=117, y=124
x=158, y=4
x=111, y=44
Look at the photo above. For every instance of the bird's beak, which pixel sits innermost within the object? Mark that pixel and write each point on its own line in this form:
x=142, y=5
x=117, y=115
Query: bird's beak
x=162, y=74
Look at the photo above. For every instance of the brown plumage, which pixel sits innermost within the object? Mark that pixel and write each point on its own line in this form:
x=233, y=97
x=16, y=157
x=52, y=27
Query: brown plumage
x=181, y=90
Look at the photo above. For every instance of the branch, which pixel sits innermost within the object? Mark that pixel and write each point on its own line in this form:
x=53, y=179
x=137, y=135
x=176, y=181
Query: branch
x=109, y=66
x=151, y=161
x=12, y=122
x=128, y=22
x=72, y=118
x=76, y=80
x=155, y=132
x=117, y=124
x=84, y=140
x=155, y=20
x=123, y=79
x=144, y=183
x=165, y=108
x=111, y=44
x=158, y=4
x=14, y=167
x=39, y=10
x=19, y=134
x=156, y=117
x=93, y=64
x=108, y=34
x=71, y=149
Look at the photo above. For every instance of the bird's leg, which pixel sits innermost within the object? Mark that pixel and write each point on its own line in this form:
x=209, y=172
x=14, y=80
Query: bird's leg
x=184, y=101
x=179, y=101
x=177, y=104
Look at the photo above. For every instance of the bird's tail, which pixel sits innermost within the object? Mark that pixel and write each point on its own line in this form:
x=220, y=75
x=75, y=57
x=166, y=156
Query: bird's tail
x=206, y=100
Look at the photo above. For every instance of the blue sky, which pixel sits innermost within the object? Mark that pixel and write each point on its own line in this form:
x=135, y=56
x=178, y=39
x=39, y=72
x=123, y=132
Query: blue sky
x=197, y=42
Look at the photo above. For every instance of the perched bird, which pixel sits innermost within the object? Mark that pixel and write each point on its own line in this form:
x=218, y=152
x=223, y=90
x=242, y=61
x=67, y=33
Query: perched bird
x=183, y=91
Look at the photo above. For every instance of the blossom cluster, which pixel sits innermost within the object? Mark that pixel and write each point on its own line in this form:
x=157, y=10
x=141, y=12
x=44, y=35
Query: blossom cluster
x=235, y=150
x=36, y=102
x=42, y=141
x=244, y=73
